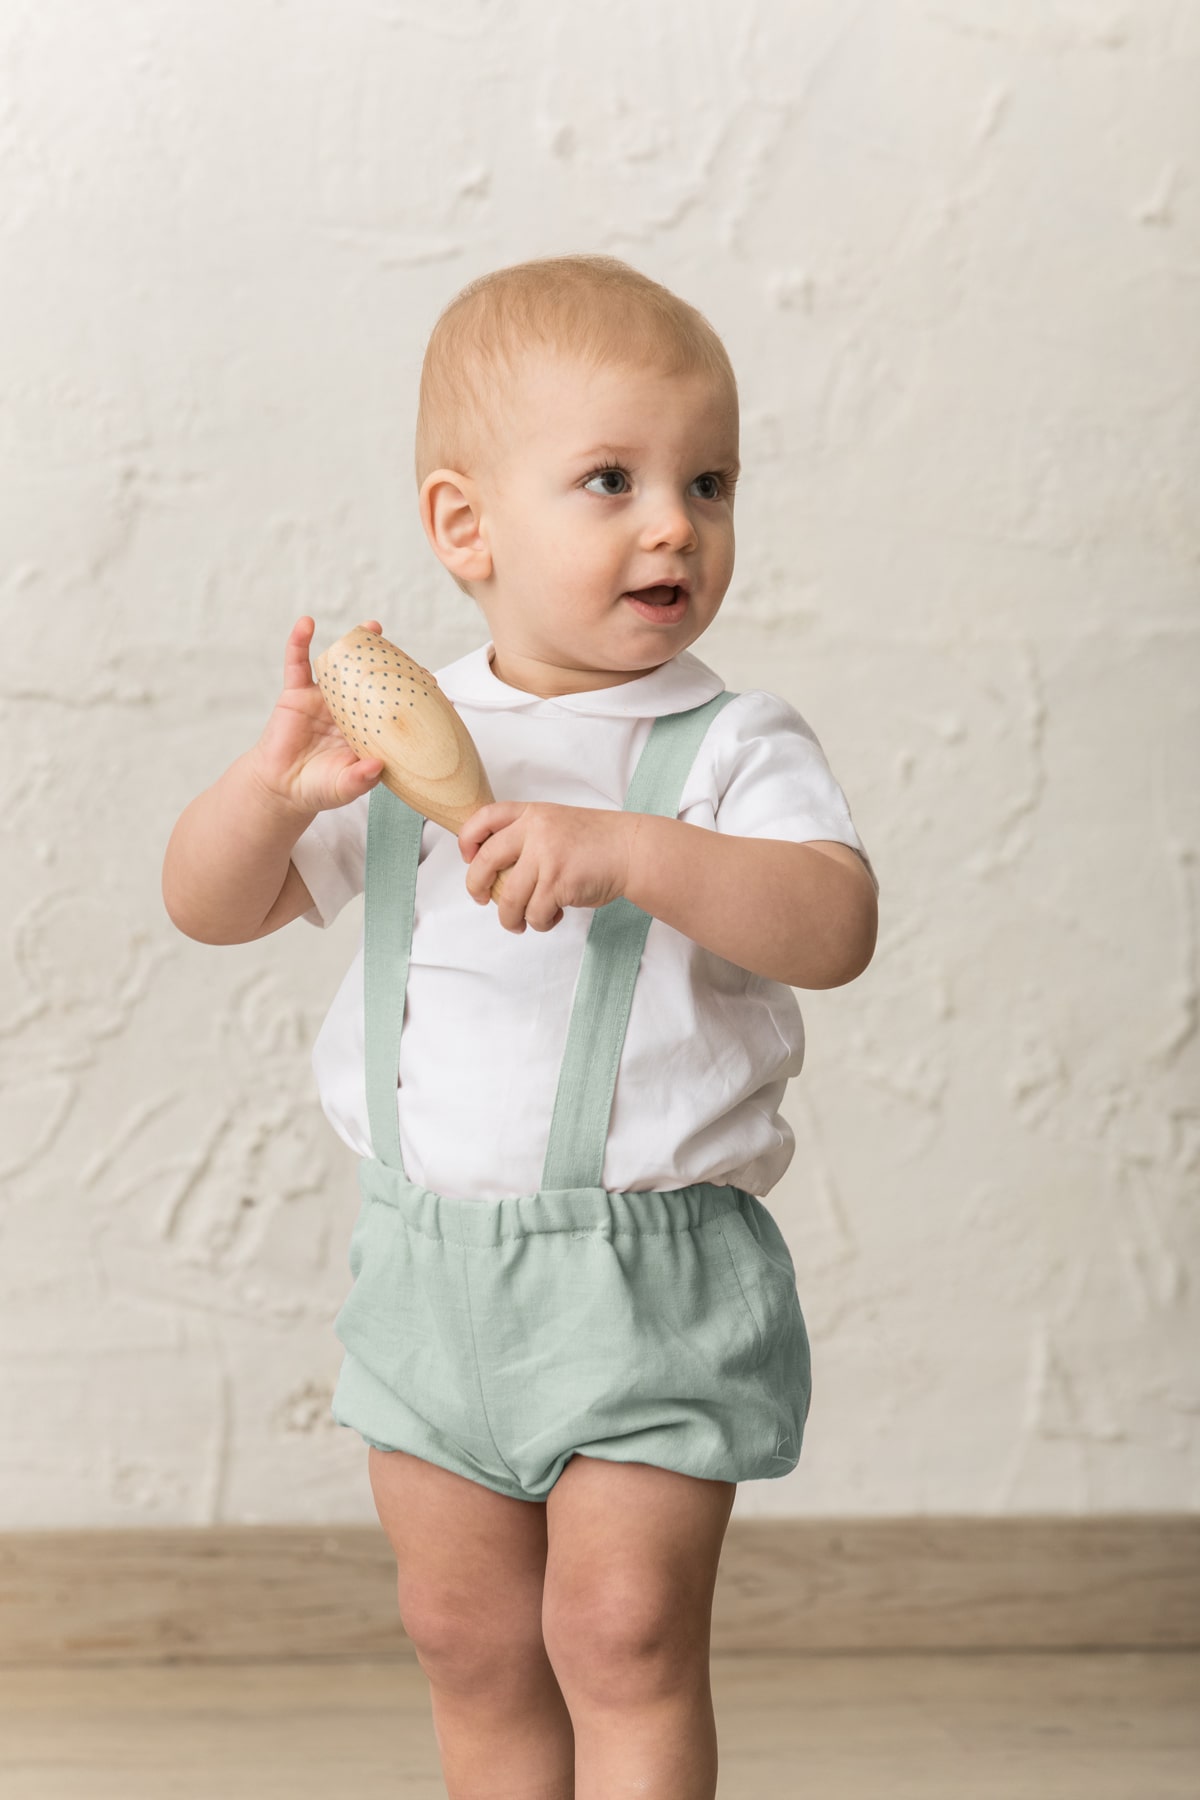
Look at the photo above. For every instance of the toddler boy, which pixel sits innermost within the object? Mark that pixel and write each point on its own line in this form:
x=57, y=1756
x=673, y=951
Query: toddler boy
x=574, y=1326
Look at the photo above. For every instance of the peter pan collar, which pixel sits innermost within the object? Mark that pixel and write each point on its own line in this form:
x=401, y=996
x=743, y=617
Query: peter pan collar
x=675, y=686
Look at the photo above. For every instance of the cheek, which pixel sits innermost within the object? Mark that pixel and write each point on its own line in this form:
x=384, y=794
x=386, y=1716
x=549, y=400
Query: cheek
x=582, y=569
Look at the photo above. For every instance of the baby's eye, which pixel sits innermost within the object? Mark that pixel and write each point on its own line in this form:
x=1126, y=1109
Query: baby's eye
x=615, y=469
x=609, y=469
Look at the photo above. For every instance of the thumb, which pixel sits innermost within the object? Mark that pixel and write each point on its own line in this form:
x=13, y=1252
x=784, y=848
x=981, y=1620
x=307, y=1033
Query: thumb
x=364, y=773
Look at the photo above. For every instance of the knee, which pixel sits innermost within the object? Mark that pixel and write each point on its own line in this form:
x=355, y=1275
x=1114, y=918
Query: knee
x=460, y=1653
x=623, y=1645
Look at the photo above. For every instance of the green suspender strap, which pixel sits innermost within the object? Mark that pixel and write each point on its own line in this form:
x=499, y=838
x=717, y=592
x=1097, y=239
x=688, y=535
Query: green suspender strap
x=604, y=989
x=612, y=956
x=393, y=852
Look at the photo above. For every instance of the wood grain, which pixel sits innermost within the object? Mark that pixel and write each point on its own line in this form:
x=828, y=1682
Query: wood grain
x=1125, y=1581
x=386, y=705
x=934, y=1727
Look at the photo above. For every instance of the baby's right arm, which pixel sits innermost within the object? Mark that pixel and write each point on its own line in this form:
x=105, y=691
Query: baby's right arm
x=227, y=875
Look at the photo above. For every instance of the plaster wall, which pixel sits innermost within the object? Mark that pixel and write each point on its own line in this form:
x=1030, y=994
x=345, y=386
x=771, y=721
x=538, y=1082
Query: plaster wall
x=954, y=251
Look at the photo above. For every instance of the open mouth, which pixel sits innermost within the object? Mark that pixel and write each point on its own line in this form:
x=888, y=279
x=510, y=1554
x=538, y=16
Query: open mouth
x=662, y=604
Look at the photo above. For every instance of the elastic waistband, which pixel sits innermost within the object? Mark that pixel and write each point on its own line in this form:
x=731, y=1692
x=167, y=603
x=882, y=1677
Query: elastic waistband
x=642, y=1212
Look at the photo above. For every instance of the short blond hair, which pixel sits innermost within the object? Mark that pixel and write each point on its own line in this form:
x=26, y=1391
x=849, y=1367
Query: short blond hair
x=598, y=310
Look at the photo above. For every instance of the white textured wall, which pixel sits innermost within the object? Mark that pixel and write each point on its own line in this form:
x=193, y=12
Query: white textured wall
x=954, y=251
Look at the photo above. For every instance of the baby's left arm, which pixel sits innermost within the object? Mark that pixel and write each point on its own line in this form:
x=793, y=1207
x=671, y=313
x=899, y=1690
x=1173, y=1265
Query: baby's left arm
x=801, y=913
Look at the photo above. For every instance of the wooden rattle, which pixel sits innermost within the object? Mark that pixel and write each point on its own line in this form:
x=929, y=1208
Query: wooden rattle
x=386, y=705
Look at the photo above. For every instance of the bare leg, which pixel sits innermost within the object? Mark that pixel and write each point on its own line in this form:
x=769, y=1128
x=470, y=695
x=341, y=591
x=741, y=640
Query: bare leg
x=471, y=1566
x=631, y=1567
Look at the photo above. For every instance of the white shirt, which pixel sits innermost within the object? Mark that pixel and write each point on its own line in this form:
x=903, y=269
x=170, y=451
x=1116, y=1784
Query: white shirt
x=709, y=1048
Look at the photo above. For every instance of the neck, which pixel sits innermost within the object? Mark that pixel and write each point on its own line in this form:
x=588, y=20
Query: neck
x=549, y=681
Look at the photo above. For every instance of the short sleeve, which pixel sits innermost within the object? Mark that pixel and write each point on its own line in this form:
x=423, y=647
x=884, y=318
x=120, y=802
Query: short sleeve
x=331, y=855
x=770, y=777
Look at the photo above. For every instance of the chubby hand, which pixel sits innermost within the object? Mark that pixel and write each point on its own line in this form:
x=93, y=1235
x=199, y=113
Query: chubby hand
x=557, y=856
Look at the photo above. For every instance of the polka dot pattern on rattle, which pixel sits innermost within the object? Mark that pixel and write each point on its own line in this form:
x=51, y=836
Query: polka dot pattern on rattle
x=368, y=687
x=389, y=706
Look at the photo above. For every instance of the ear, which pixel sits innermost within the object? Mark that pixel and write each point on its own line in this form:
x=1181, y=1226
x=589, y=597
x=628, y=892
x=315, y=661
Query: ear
x=450, y=515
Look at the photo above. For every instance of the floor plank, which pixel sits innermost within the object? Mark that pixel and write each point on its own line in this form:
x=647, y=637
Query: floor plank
x=1122, y=1725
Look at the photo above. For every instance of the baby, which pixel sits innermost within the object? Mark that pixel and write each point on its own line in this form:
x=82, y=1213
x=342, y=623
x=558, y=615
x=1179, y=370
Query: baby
x=573, y=1325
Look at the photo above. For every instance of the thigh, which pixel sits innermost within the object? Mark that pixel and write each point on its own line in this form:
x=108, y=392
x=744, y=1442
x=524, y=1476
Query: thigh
x=470, y=1562
x=632, y=1555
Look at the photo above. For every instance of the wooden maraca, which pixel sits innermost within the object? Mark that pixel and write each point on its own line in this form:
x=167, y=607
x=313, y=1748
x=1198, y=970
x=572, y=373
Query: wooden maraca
x=386, y=705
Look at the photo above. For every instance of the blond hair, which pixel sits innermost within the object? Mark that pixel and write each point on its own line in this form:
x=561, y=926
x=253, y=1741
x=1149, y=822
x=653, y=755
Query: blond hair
x=598, y=310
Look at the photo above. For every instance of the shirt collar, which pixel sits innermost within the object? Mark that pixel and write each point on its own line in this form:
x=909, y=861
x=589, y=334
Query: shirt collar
x=675, y=686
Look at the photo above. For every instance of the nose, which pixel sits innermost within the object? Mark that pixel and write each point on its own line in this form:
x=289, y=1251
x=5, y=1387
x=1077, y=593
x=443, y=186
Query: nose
x=670, y=526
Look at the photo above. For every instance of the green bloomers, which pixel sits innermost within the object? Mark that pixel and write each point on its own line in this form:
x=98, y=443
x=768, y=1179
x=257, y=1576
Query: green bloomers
x=498, y=1338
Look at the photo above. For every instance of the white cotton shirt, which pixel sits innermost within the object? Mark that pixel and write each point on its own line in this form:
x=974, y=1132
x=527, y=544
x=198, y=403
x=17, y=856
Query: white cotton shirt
x=709, y=1048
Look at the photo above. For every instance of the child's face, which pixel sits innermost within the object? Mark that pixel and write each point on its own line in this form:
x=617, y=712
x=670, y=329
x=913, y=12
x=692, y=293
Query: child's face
x=551, y=547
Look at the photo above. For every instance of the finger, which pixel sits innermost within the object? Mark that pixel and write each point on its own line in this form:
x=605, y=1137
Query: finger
x=512, y=921
x=353, y=781
x=513, y=901
x=483, y=875
x=484, y=824
x=542, y=911
x=372, y=625
x=488, y=861
x=296, y=670
x=544, y=924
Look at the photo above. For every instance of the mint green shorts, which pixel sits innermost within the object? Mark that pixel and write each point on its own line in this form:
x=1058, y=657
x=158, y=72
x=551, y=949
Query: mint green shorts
x=499, y=1338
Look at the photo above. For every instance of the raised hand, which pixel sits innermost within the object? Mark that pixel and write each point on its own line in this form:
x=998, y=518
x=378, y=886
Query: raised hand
x=302, y=759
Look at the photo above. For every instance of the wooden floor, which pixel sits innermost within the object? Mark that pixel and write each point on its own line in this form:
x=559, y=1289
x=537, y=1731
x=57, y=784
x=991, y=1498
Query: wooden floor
x=1122, y=1725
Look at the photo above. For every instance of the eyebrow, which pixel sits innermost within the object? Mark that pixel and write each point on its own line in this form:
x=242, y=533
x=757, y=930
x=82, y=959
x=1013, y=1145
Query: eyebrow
x=632, y=450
